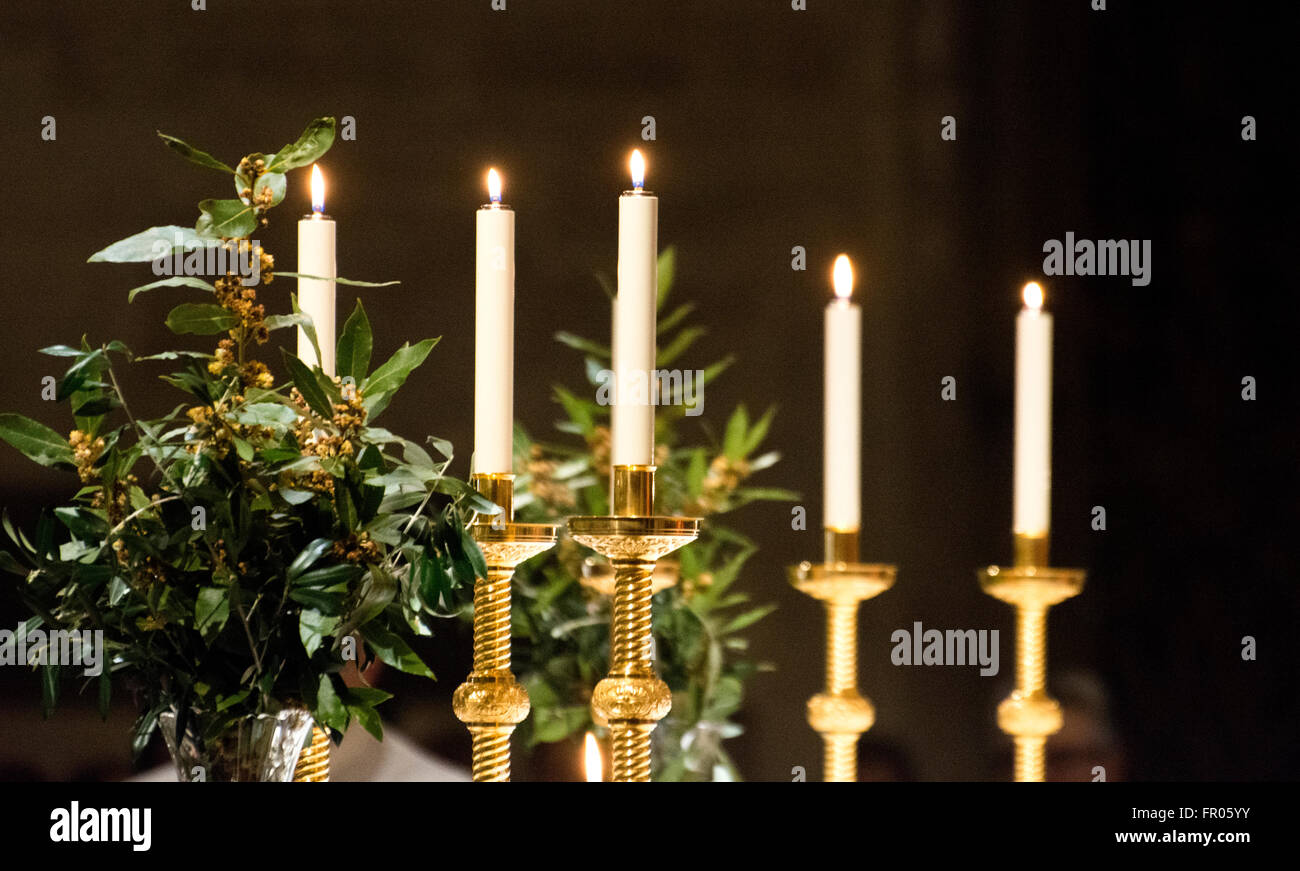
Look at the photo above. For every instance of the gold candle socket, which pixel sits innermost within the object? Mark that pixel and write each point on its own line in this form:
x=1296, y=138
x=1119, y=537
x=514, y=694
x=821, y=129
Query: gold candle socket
x=1029, y=715
x=632, y=699
x=840, y=714
x=491, y=702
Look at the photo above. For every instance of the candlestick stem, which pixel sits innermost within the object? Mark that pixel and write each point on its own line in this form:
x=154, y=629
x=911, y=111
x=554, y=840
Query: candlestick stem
x=841, y=647
x=840, y=714
x=491, y=702
x=632, y=699
x=1029, y=715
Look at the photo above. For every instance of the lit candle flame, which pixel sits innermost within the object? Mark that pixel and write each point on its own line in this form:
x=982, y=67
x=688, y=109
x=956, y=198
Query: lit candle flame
x=1033, y=295
x=842, y=277
x=494, y=186
x=594, y=765
x=637, y=164
x=317, y=190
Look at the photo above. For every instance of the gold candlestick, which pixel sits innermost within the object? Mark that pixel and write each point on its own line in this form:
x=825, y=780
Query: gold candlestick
x=313, y=764
x=840, y=714
x=1029, y=715
x=632, y=699
x=491, y=702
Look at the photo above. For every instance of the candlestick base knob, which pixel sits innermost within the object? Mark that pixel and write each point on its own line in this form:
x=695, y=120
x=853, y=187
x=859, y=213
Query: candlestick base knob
x=1029, y=715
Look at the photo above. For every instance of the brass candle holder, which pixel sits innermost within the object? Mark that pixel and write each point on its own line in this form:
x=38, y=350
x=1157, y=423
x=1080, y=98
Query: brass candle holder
x=491, y=702
x=313, y=764
x=632, y=699
x=1029, y=715
x=840, y=714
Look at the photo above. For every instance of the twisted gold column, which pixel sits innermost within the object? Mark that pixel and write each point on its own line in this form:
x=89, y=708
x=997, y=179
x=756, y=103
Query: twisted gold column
x=632, y=699
x=491, y=702
x=1029, y=715
x=313, y=764
x=840, y=714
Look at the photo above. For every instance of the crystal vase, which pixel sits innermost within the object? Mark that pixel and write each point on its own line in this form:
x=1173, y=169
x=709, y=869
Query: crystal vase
x=263, y=748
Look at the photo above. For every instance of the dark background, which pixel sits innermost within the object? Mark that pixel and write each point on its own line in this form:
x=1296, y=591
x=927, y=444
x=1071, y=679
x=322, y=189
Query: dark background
x=775, y=128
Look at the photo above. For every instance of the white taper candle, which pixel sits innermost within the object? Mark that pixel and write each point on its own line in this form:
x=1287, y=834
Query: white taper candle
x=494, y=334
x=632, y=415
x=841, y=470
x=1033, y=449
x=316, y=257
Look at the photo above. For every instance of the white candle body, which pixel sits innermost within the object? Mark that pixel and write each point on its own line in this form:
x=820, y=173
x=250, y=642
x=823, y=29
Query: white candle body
x=841, y=471
x=494, y=341
x=1033, y=463
x=316, y=298
x=633, y=419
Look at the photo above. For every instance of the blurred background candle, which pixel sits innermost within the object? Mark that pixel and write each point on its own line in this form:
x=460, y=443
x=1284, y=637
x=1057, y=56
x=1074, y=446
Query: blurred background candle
x=316, y=257
x=841, y=473
x=494, y=334
x=1033, y=463
x=592, y=762
x=633, y=420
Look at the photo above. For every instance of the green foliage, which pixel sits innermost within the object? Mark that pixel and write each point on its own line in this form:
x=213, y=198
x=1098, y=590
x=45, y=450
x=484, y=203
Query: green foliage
x=562, y=627
x=233, y=549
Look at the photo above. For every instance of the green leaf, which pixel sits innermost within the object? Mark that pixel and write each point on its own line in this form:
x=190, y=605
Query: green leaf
x=264, y=414
x=227, y=702
x=665, y=324
x=35, y=440
x=172, y=281
x=192, y=154
x=151, y=244
x=308, y=325
x=351, y=282
x=314, y=142
x=747, y=619
x=667, y=268
x=391, y=649
x=225, y=219
x=273, y=180
x=758, y=432
x=379, y=388
x=733, y=442
x=313, y=626
x=328, y=576
x=200, y=318
x=307, y=557
x=680, y=344
x=307, y=385
x=278, y=322
x=585, y=345
x=211, y=610
x=82, y=523
x=329, y=708
x=355, y=342
x=86, y=368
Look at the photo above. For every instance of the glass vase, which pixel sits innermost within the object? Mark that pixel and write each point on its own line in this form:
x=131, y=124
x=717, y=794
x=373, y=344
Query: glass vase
x=261, y=748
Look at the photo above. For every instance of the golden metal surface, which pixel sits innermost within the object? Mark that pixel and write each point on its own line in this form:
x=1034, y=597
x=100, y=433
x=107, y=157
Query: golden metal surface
x=632, y=699
x=1029, y=715
x=498, y=489
x=632, y=491
x=1030, y=550
x=491, y=702
x=841, y=545
x=314, y=762
x=840, y=714
x=598, y=575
